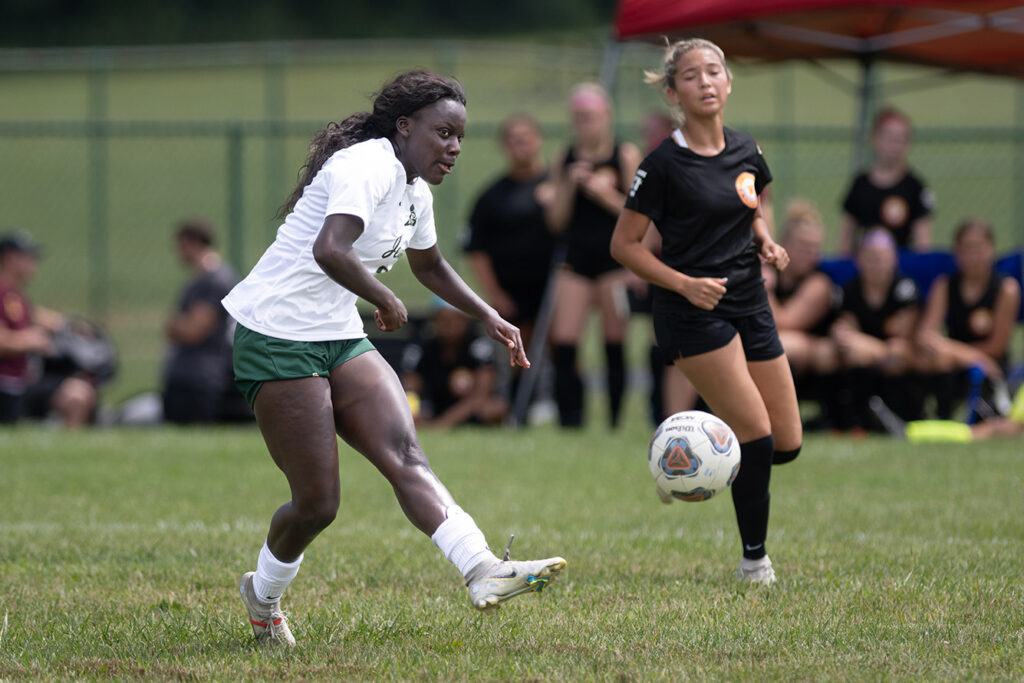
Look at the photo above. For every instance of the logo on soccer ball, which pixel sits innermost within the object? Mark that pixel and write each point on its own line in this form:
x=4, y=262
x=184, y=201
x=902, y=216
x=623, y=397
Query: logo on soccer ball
x=679, y=460
x=719, y=434
x=697, y=495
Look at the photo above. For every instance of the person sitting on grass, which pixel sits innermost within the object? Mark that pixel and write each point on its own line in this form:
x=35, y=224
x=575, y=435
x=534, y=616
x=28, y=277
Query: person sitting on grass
x=805, y=303
x=874, y=333
x=453, y=374
x=977, y=305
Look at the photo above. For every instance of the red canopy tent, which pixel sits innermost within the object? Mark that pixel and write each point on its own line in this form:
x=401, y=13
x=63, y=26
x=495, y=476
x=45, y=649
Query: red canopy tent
x=982, y=35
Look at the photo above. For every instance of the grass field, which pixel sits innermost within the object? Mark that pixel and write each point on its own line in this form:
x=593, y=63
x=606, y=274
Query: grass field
x=120, y=552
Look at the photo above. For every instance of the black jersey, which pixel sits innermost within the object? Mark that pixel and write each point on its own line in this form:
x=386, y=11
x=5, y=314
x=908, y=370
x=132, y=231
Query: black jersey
x=508, y=225
x=588, y=235
x=704, y=208
x=895, y=208
x=902, y=294
x=972, y=322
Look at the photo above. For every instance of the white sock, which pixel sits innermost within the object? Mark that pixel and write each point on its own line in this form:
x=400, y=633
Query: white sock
x=462, y=542
x=272, y=575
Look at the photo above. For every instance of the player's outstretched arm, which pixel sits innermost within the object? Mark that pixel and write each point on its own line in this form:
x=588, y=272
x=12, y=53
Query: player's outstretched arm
x=436, y=274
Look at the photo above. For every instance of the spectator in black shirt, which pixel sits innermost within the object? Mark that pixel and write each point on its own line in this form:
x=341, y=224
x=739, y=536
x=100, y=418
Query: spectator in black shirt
x=874, y=333
x=888, y=194
x=198, y=384
x=509, y=245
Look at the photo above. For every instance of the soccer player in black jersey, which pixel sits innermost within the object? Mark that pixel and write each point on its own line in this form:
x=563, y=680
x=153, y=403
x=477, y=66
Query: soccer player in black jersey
x=701, y=190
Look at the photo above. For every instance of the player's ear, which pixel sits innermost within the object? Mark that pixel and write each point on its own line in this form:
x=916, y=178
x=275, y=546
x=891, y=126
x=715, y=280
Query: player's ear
x=404, y=126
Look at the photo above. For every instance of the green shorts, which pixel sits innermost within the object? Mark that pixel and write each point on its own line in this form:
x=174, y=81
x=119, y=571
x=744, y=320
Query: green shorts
x=259, y=358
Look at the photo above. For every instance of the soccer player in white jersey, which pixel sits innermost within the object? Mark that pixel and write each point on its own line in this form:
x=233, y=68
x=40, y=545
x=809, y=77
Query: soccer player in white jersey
x=302, y=357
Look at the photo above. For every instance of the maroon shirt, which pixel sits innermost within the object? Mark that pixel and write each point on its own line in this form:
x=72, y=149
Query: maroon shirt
x=15, y=314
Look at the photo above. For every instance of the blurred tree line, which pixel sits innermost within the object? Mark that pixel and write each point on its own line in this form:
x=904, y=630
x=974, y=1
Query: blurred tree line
x=38, y=23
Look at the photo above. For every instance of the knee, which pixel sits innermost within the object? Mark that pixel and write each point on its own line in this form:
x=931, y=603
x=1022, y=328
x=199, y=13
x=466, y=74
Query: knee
x=782, y=457
x=318, y=509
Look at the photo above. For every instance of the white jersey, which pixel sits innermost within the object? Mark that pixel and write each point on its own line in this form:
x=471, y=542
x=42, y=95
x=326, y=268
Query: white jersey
x=287, y=295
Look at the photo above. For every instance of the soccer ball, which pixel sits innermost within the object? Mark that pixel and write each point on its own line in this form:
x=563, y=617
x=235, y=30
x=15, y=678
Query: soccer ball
x=693, y=455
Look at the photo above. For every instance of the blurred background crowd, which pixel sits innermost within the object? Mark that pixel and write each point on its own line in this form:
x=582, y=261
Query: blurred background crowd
x=140, y=181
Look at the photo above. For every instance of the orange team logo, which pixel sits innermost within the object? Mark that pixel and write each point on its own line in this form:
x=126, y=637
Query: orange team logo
x=894, y=211
x=746, y=190
x=14, y=310
x=980, y=322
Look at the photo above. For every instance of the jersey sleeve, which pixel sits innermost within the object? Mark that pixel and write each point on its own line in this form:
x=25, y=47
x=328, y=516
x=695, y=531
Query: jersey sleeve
x=356, y=185
x=922, y=200
x=764, y=174
x=424, y=235
x=647, y=193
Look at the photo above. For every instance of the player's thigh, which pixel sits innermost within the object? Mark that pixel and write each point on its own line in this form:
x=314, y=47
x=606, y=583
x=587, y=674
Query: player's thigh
x=372, y=414
x=723, y=380
x=775, y=384
x=297, y=423
x=573, y=298
x=614, y=304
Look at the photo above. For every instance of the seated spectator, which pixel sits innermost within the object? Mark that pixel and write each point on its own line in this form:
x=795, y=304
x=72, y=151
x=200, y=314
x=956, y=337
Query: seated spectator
x=26, y=336
x=889, y=194
x=977, y=306
x=197, y=384
x=805, y=303
x=874, y=333
x=450, y=378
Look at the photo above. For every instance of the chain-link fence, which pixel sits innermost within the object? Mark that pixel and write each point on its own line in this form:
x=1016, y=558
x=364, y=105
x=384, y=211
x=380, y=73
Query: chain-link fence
x=104, y=151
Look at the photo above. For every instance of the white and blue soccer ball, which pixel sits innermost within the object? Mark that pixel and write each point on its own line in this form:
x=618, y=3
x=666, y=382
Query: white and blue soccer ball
x=693, y=455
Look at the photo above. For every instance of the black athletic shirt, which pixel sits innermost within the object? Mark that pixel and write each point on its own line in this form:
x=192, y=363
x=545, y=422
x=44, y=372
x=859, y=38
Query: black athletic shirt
x=590, y=228
x=508, y=225
x=895, y=208
x=704, y=207
x=902, y=294
x=972, y=322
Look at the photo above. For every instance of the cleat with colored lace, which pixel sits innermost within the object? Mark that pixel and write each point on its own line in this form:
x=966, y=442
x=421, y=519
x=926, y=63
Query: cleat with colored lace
x=509, y=578
x=269, y=624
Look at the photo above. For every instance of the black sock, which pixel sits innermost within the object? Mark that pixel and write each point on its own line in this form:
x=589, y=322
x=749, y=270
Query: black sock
x=568, y=386
x=656, y=364
x=616, y=369
x=750, y=495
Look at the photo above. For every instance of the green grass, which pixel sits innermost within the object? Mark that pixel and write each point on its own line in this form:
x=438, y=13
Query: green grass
x=120, y=550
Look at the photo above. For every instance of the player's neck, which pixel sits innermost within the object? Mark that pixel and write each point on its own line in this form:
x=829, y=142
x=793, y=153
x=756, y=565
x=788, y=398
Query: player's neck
x=704, y=136
x=886, y=173
x=526, y=171
x=594, y=150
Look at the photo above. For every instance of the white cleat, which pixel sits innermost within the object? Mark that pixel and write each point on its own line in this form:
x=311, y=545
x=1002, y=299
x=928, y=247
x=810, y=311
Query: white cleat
x=509, y=578
x=756, y=571
x=269, y=624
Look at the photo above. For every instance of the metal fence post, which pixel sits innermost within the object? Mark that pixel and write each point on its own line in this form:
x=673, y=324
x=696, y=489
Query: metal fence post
x=236, y=232
x=98, y=184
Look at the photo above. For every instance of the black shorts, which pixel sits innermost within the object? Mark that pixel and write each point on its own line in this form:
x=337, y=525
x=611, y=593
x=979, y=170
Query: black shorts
x=590, y=263
x=682, y=334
